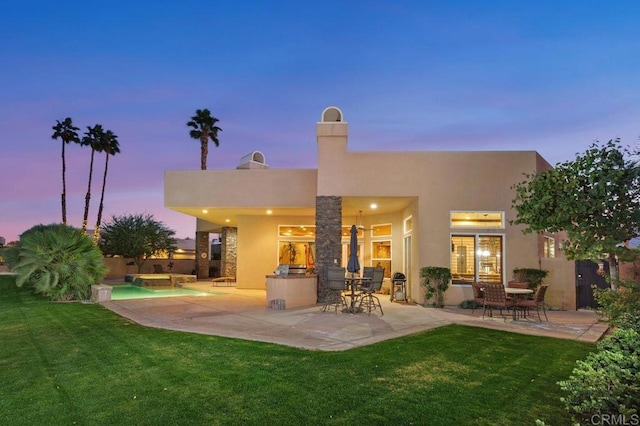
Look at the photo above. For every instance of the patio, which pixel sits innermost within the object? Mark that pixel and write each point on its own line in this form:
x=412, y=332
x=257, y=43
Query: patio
x=242, y=314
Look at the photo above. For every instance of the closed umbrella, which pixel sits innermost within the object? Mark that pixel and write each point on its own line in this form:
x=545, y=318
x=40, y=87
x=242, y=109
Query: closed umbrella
x=353, y=265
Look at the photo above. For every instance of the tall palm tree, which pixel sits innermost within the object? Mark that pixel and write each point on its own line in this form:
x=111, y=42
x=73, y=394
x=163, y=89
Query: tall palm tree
x=93, y=137
x=204, y=128
x=110, y=146
x=67, y=132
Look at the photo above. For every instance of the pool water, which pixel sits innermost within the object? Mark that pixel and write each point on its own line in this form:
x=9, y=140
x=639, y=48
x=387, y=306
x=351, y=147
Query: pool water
x=122, y=292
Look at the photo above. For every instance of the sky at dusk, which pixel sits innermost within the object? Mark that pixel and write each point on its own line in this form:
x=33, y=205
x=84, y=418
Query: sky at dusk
x=549, y=76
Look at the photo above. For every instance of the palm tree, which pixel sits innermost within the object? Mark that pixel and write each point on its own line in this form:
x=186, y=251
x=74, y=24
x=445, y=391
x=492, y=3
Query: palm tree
x=204, y=128
x=67, y=132
x=110, y=147
x=93, y=137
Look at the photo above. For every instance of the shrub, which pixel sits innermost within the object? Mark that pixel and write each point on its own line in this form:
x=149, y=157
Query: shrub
x=469, y=304
x=533, y=277
x=435, y=281
x=620, y=307
x=57, y=261
x=608, y=381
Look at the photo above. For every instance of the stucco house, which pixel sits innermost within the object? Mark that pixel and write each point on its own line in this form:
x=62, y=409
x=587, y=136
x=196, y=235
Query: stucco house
x=413, y=209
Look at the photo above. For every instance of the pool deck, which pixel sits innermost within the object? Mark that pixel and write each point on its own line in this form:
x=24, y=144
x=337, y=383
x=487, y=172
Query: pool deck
x=243, y=314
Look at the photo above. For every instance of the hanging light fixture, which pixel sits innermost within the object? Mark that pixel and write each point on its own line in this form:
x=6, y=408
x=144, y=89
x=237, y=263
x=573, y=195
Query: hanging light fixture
x=359, y=224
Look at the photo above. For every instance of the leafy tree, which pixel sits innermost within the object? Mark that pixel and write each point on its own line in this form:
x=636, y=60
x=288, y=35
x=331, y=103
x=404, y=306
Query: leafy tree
x=204, y=128
x=66, y=132
x=58, y=261
x=595, y=199
x=94, y=137
x=110, y=146
x=136, y=237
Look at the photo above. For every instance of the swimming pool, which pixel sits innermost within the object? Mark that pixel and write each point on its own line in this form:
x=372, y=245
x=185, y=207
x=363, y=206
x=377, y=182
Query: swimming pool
x=126, y=291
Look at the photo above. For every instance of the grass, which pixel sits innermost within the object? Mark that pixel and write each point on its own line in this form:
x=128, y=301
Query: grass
x=74, y=363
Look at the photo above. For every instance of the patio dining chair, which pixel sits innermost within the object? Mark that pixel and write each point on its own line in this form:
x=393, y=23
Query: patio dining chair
x=368, y=289
x=495, y=297
x=335, y=285
x=478, y=295
x=537, y=302
x=365, y=284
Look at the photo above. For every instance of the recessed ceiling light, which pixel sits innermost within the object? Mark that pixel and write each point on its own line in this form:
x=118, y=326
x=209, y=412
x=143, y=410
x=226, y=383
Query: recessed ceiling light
x=374, y=206
x=227, y=220
x=205, y=211
x=269, y=212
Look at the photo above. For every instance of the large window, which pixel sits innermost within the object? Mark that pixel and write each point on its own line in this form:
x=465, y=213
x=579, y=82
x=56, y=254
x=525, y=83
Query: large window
x=476, y=258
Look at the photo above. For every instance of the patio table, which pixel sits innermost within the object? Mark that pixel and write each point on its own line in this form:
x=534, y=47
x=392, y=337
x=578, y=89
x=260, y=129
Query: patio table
x=354, y=282
x=516, y=293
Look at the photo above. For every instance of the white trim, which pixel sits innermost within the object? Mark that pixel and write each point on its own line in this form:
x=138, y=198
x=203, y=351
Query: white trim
x=404, y=225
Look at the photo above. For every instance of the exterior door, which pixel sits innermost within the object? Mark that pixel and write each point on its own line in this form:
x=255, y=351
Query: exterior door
x=406, y=258
x=586, y=277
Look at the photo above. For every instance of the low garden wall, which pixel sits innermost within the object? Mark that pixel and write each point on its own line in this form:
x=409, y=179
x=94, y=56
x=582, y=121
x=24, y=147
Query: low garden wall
x=118, y=267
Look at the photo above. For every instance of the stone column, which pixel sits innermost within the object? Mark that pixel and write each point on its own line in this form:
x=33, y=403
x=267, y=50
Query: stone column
x=202, y=255
x=328, y=236
x=228, y=252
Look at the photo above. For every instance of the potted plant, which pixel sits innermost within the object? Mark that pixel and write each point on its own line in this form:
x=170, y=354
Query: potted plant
x=435, y=281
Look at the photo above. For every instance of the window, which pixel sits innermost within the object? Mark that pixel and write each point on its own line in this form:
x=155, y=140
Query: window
x=408, y=224
x=381, y=256
x=461, y=219
x=549, y=247
x=476, y=258
x=306, y=231
x=297, y=245
x=297, y=253
x=381, y=230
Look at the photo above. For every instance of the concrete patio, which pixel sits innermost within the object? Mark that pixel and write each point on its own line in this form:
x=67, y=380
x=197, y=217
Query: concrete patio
x=242, y=314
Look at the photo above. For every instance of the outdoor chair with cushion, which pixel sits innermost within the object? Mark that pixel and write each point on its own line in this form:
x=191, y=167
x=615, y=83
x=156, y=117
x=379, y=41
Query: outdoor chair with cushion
x=478, y=295
x=367, y=299
x=537, y=302
x=495, y=297
x=335, y=285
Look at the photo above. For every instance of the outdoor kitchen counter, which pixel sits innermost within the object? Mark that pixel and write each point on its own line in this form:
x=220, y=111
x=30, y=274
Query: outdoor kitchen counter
x=291, y=291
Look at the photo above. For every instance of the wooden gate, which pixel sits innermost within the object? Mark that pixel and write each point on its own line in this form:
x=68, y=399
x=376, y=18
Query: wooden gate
x=586, y=277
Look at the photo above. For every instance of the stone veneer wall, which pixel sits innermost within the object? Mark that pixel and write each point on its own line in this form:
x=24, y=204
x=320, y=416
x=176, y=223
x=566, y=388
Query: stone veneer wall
x=328, y=237
x=228, y=252
x=202, y=263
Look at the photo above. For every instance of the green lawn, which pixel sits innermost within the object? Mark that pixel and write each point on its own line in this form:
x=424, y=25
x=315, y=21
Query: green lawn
x=74, y=363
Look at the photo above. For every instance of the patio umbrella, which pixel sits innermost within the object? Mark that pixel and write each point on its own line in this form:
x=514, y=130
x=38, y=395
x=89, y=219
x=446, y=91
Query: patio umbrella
x=353, y=266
